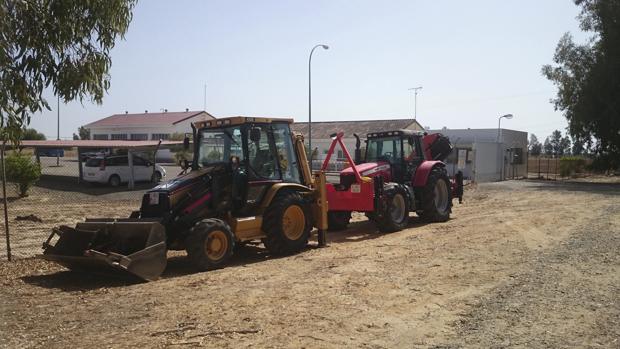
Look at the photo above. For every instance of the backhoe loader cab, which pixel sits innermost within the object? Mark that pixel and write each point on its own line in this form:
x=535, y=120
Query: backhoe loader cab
x=248, y=180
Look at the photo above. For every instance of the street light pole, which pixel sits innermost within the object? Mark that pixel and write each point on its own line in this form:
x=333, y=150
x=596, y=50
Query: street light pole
x=415, y=101
x=499, y=123
x=325, y=47
x=500, y=148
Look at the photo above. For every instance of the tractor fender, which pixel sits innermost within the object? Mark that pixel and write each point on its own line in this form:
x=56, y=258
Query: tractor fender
x=271, y=193
x=422, y=172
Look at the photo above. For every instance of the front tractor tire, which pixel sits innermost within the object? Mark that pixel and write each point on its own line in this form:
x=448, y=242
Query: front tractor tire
x=395, y=214
x=210, y=244
x=436, y=197
x=287, y=223
x=338, y=220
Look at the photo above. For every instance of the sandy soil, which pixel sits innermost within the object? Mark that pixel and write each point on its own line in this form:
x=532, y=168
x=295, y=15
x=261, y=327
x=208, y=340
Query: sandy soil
x=61, y=200
x=521, y=264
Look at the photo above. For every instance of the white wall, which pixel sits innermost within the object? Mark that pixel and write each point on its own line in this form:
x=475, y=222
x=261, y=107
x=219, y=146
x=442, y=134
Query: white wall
x=486, y=168
x=492, y=162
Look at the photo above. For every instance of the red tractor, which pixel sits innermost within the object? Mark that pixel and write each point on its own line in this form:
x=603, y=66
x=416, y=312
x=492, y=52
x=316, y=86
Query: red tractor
x=402, y=172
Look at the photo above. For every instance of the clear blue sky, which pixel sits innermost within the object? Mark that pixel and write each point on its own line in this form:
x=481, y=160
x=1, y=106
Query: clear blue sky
x=475, y=59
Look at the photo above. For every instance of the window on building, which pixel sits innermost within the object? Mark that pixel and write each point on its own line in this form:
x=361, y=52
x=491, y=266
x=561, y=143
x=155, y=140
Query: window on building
x=100, y=137
x=158, y=136
x=119, y=137
x=139, y=137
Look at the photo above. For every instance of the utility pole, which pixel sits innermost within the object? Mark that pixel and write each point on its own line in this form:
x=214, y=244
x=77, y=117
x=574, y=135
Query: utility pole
x=415, y=101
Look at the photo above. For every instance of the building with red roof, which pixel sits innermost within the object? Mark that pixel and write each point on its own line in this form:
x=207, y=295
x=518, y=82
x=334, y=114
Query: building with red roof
x=145, y=126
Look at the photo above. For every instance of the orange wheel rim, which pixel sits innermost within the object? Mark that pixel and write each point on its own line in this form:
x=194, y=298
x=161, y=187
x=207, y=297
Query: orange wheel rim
x=216, y=245
x=293, y=222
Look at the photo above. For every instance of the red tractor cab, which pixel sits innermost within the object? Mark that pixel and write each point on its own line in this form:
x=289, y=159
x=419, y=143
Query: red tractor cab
x=401, y=172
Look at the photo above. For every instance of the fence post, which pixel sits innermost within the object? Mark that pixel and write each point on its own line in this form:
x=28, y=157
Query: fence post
x=527, y=165
x=548, y=165
x=6, y=209
x=555, y=170
x=538, y=166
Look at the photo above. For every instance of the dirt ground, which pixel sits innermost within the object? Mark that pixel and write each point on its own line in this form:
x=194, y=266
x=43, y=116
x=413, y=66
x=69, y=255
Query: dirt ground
x=58, y=200
x=520, y=264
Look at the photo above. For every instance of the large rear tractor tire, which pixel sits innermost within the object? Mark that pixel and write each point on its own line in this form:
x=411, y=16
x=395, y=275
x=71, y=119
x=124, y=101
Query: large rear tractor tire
x=338, y=220
x=395, y=216
x=287, y=223
x=210, y=244
x=436, y=197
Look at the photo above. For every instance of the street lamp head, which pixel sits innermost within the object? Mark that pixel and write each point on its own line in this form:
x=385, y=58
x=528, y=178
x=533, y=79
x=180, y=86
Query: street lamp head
x=325, y=47
x=507, y=116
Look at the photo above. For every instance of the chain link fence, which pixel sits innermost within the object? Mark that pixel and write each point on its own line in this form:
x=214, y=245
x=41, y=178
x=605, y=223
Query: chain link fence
x=61, y=198
x=550, y=168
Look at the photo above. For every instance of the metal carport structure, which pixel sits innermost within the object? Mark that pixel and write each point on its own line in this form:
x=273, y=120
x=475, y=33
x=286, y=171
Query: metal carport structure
x=81, y=145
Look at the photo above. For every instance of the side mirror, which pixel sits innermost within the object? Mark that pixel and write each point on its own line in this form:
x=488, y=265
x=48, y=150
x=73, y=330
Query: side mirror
x=186, y=143
x=255, y=134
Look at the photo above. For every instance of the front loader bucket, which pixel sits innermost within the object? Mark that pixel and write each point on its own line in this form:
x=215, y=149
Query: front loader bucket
x=135, y=248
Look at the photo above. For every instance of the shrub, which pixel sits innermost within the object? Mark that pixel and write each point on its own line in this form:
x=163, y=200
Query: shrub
x=22, y=171
x=571, y=165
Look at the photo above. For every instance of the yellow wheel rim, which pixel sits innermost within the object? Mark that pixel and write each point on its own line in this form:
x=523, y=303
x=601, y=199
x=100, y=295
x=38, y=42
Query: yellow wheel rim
x=293, y=222
x=216, y=245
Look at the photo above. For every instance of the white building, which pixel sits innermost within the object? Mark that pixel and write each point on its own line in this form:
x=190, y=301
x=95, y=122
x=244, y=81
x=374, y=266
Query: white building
x=145, y=126
x=477, y=151
x=322, y=130
x=487, y=154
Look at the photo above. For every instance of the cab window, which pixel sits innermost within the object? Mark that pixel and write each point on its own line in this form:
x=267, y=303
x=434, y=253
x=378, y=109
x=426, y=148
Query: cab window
x=286, y=153
x=386, y=149
x=261, y=159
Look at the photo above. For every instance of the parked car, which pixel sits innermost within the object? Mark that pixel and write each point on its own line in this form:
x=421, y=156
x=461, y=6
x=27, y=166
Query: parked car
x=93, y=153
x=51, y=152
x=114, y=170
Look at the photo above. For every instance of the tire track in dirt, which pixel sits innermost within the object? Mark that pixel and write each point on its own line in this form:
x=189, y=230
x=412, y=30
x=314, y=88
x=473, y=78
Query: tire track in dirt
x=566, y=296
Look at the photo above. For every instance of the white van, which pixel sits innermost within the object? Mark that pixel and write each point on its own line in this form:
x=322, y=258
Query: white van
x=114, y=170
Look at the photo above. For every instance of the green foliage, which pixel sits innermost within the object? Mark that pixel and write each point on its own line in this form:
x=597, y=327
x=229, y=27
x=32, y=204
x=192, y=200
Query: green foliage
x=588, y=79
x=214, y=155
x=547, y=147
x=30, y=134
x=22, y=171
x=177, y=136
x=578, y=147
x=534, y=146
x=62, y=44
x=83, y=133
x=557, y=145
x=182, y=155
x=571, y=165
x=605, y=163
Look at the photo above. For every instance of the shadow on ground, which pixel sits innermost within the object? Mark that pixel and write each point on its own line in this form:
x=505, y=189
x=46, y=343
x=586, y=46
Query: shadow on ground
x=179, y=265
x=574, y=186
